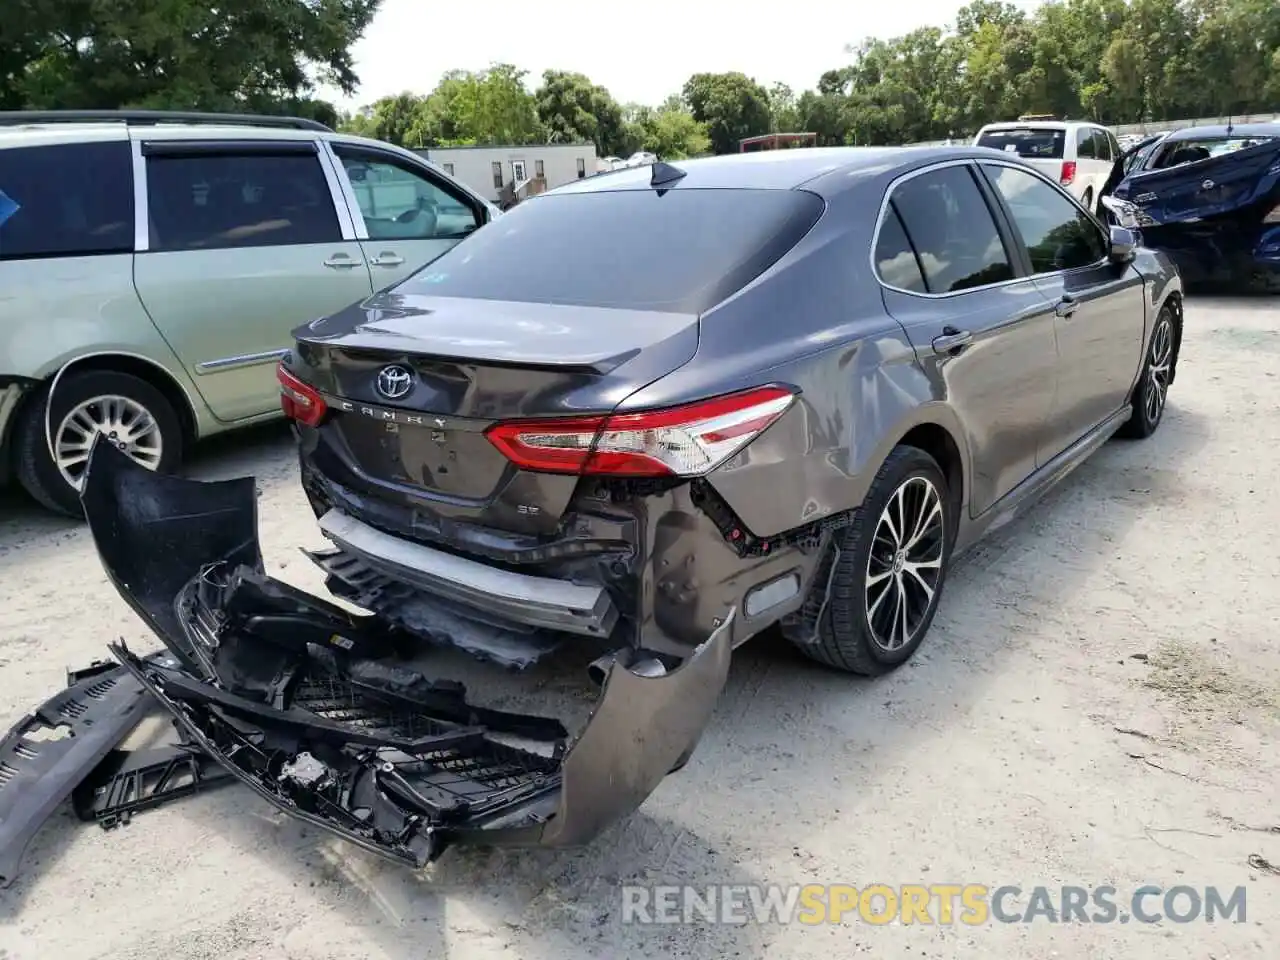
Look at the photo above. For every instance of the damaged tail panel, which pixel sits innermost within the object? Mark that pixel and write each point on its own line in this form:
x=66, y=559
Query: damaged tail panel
x=313, y=708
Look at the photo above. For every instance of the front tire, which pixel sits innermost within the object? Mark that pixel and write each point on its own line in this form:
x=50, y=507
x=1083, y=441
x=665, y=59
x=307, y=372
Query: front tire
x=1152, y=392
x=122, y=408
x=886, y=571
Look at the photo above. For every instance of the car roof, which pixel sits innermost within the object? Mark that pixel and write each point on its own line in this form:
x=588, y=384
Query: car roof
x=1235, y=130
x=825, y=170
x=1039, y=125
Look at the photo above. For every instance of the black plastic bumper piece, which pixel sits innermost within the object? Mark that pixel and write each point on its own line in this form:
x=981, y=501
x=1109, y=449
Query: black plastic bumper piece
x=129, y=781
x=50, y=752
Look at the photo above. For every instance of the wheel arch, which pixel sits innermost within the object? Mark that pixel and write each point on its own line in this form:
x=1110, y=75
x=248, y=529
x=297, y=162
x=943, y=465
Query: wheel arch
x=939, y=443
x=133, y=364
x=1174, y=302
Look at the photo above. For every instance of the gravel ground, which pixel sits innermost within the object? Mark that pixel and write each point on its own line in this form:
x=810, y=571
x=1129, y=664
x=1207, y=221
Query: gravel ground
x=1098, y=703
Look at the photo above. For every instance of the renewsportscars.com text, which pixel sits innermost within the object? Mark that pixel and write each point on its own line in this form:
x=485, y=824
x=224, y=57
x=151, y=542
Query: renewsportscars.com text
x=970, y=904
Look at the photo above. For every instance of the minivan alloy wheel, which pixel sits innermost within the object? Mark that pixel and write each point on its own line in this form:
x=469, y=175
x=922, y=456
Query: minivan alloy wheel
x=904, y=565
x=1159, y=369
x=121, y=421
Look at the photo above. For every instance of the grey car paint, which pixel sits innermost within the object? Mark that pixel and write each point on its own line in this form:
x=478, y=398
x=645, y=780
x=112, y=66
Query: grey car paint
x=1016, y=408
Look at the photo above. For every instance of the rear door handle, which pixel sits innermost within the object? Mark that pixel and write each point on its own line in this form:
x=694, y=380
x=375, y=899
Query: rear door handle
x=952, y=340
x=1065, y=307
x=340, y=261
x=387, y=259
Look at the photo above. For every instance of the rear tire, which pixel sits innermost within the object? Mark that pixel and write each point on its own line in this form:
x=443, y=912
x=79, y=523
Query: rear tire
x=146, y=426
x=1151, y=395
x=885, y=572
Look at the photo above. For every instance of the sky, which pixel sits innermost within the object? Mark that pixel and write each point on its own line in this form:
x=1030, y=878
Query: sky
x=641, y=50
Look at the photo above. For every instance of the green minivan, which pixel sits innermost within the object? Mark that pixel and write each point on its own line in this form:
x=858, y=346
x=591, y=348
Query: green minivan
x=153, y=264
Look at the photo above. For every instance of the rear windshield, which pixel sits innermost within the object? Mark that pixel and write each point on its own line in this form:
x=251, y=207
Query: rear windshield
x=1026, y=142
x=681, y=251
x=1190, y=151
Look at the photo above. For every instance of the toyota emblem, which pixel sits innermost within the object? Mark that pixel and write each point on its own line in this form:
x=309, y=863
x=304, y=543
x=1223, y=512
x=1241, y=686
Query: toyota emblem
x=394, y=382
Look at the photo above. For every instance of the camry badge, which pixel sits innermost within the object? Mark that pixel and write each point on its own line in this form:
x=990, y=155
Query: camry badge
x=394, y=382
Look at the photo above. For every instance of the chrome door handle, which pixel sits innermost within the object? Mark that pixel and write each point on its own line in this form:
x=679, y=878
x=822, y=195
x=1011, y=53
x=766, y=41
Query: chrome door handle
x=387, y=259
x=340, y=261
x=952, y=340
x=1065, y=307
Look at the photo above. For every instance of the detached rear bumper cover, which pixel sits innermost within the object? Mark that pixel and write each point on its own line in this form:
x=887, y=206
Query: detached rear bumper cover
x=297, y=699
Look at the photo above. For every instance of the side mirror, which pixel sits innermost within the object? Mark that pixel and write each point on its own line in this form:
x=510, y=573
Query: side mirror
x=1124, y=245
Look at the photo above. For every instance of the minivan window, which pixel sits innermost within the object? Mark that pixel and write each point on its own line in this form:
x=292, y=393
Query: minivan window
x=400, y=203
x=1086, y=145
x=678, y=251
x=67, y=200
x=950, y=225
x=215, y=201
x=1102, y=146
x=1033, y=143
x=1058, y=234
x=896, y=262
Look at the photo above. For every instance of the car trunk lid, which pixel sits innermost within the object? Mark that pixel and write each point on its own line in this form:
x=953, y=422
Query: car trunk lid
x=1207, y=188
x=412, y=382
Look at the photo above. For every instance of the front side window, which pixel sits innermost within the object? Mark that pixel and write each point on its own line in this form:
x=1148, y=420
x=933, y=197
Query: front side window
x=1058, y=234
x=951, y=228
x=400, y=203
x=68, y=200
x=224, y=200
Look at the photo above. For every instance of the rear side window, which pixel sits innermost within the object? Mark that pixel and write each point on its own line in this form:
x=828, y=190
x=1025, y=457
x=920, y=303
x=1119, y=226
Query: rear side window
x=1036, y=144
x=675, y=251
x=1086, y=146
x=1102, y=146
x=951, y=228
x=215, y=201
x=896, y=262
x=68, y=200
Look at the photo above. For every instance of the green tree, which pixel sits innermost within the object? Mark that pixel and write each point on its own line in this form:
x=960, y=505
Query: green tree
x=234, y=55
x=398, y=119
x=573, y=109
x=732, y=106
x=784, y=114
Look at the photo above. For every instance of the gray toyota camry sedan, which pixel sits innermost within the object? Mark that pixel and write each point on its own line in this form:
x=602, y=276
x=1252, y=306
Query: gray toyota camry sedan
x=640, y=418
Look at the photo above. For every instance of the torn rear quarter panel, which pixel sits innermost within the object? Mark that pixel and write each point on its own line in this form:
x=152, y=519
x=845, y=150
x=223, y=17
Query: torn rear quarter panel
x=307, y=704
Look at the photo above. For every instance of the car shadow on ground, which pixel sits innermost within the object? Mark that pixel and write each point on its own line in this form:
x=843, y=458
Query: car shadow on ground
x=779, y=712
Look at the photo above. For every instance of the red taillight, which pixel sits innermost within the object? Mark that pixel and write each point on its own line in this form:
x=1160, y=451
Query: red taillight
x=1068, y=172
x=300, y=401
x=682, y=441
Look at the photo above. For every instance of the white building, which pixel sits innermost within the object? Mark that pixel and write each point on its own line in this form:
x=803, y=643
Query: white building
x=489, y=169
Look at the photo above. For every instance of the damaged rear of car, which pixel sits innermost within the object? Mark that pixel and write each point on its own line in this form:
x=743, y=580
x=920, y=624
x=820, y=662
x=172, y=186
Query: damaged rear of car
x=1210, y=198
x=319, y=712
x=468, y=446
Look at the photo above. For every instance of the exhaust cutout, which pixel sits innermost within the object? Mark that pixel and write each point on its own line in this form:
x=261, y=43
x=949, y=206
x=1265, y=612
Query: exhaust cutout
x=643, y=666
